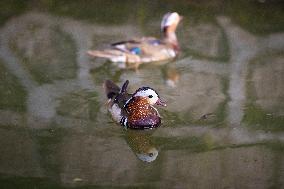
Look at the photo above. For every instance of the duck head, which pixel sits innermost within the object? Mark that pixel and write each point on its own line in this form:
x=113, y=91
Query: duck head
x=169, y=24
x=151, y=96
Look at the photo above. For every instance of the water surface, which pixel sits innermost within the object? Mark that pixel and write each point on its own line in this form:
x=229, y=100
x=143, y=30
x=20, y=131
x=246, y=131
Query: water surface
x=222, y=128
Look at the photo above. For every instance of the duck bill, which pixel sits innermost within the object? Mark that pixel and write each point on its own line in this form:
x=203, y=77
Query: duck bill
x=161, y=103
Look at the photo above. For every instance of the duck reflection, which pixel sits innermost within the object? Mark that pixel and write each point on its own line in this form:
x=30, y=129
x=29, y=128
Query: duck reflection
x=166, y=73
x=140, y=141
x=171, y=75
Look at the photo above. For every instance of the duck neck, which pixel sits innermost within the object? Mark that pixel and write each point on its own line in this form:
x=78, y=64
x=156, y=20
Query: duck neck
x=171, y=38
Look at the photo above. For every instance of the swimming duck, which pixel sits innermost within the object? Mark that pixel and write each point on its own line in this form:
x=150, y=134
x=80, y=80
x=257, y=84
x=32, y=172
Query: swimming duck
x=132, y=53
x=134, y=111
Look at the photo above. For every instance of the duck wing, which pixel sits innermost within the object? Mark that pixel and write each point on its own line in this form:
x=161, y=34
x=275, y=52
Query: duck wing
x=122, y=96
x=116, y=94
x=111, y=89
x=137, y=46
x=140, y=50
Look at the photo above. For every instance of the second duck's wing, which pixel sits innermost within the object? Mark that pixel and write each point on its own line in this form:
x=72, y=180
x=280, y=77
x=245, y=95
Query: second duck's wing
x=136, y=46
x=140, y=50
x=148, y=49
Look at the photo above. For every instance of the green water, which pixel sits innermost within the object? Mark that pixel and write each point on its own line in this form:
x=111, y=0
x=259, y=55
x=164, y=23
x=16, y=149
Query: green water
x=224, y=123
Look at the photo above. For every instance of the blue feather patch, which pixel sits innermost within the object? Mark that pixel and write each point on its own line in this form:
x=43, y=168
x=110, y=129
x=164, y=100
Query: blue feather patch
x=135, y=50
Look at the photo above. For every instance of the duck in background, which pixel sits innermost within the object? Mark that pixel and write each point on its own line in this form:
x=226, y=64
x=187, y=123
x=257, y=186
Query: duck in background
x=133, y=111
x=132, y=53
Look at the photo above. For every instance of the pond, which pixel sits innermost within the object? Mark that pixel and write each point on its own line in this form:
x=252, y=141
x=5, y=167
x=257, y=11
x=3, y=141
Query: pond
x=223, y=126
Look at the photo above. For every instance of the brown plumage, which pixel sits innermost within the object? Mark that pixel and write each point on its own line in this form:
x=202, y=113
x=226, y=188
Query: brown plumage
x=139, y=109
x=134, y=111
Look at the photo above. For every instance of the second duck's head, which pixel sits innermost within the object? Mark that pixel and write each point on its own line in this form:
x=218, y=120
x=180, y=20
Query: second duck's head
x=170, y=22
x=150, y=94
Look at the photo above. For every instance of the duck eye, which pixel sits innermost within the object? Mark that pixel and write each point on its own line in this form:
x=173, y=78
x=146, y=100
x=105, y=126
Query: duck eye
x=150, y=96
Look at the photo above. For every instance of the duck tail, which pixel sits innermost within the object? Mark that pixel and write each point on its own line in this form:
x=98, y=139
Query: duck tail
x=111, y=89
x=102, y=54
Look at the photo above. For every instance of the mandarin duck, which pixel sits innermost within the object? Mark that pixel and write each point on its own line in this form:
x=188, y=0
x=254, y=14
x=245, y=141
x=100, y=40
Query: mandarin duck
x=132, y=53
x=133, y=111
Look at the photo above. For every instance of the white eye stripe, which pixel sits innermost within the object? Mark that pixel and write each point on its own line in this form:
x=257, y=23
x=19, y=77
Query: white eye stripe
x=146, y=93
